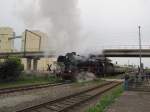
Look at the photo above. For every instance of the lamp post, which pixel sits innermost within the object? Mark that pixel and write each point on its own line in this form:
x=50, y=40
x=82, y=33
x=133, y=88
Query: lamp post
x=140, y=54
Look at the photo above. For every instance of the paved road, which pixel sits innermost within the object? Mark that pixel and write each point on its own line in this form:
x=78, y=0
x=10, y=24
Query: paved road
x=132, y=102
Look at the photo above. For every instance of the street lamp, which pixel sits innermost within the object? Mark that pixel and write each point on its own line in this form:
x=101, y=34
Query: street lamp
x=140, y=48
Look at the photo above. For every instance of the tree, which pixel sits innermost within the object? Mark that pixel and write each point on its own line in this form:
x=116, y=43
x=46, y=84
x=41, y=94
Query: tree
x=10, y=69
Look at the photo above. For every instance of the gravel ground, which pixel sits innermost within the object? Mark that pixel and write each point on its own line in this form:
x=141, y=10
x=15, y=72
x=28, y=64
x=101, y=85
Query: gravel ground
x=16, y=101
x=132, y=102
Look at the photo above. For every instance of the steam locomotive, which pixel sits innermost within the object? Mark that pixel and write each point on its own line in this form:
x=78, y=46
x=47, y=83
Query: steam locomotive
x=71, y=64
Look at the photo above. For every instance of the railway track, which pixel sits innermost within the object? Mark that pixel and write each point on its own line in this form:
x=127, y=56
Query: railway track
x=29, y=87
x=66, y=103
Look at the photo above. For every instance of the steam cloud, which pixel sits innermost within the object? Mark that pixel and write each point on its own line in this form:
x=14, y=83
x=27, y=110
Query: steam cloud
x=58, y=18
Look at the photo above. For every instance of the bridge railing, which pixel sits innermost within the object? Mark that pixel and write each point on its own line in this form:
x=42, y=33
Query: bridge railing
x=140, y=83
x=125, y=47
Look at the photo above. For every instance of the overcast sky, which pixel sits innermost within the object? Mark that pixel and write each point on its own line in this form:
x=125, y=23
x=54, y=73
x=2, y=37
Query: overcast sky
x=103, y=22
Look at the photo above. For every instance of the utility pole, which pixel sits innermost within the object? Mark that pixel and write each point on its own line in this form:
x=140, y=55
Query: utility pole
x=140, y=48
x=25, y=39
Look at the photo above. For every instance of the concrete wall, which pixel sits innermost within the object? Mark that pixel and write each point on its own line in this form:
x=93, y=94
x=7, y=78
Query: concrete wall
x=41, y=63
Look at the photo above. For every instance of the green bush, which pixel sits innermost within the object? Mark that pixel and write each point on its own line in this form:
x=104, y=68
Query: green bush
x=10, y=69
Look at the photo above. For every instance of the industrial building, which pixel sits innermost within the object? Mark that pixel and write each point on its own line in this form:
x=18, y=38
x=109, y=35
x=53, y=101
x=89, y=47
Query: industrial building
x=6, y=43
x=35, y=41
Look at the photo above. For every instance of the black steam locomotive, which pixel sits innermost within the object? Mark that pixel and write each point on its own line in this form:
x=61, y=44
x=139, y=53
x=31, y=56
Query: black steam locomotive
x=72, y=64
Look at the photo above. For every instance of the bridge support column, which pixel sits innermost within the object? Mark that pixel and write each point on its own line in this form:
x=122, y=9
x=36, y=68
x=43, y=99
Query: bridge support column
x=28, y=64
x=35, y=62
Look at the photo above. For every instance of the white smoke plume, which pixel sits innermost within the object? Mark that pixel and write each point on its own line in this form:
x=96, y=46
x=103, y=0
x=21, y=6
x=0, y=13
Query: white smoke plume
x=58, y=18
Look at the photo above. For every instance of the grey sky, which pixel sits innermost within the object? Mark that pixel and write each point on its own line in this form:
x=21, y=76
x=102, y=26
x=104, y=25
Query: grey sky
x=103, y=22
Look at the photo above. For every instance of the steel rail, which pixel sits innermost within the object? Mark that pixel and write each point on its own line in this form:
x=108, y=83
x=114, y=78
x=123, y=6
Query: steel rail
x=29, y=87
x=68, y=102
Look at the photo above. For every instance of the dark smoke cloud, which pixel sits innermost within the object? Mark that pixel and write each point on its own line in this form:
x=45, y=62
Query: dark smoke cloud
x=58, y=18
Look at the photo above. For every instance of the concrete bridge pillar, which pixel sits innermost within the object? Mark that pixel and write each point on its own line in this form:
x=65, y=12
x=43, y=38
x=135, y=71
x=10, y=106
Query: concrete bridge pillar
x=35, y=62
x=29, y=64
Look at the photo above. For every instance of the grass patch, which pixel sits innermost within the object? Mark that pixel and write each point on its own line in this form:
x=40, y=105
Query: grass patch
x=107, y=99
x=29, y=79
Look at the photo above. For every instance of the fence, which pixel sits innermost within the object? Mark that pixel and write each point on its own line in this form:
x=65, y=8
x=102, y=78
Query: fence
x=138, y=82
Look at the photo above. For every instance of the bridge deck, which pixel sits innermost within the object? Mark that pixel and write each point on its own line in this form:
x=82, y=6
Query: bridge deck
x=26, y=54
x=126, y=52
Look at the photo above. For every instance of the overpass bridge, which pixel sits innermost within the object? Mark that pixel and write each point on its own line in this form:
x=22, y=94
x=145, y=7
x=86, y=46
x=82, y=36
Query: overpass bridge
x=126, y=52
x=106, y=53
x=35, y=56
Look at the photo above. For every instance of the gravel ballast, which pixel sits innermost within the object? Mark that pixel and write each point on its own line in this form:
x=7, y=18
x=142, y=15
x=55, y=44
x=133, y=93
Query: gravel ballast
x=17, y=101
